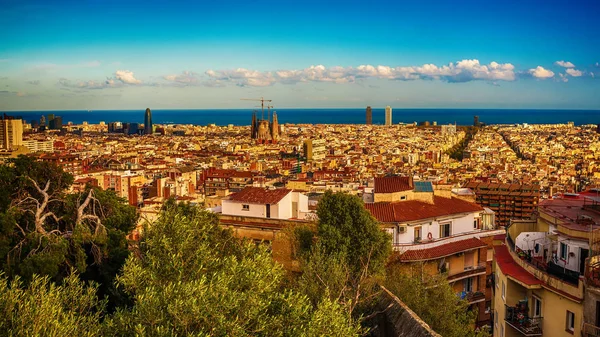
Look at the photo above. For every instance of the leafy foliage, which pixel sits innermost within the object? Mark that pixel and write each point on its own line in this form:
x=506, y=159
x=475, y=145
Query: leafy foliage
x=434, y=301
x=346, y=227
x=346, y=260
x=45, y=309
x=190, y=277
x=63, y=241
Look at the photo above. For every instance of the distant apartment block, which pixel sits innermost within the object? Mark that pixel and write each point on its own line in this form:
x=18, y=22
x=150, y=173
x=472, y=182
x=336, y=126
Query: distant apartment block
x=39, y=145
x=315, y=149
x=508, y=201
x=11, y=133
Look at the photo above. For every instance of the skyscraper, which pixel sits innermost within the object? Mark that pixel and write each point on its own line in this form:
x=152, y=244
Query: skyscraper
x=275, y=128
x=476, y=121
x=11, y=132
x=388, y=115
x=369, y=116
x=148, y=122
x=254, y=127
x=56, y=123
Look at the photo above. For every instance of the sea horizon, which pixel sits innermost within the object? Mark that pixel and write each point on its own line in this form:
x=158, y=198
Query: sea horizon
x=242, y=117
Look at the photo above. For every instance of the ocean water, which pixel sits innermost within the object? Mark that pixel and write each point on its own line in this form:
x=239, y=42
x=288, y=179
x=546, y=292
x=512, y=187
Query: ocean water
x=323, y=116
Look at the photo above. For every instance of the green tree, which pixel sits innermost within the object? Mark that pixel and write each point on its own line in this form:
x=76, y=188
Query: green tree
x=45, y=231
x=346, y=227
x=346, y=259
x=43, y=308
x=434, y=301
x=190, y=277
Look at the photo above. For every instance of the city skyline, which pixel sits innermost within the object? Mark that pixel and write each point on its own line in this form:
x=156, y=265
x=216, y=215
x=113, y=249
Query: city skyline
x=472, y=55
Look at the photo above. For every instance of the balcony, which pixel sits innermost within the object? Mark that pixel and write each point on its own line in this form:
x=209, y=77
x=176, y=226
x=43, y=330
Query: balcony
x=477, y=269
x=472, y=296
x=590, y=330
x=518, y=318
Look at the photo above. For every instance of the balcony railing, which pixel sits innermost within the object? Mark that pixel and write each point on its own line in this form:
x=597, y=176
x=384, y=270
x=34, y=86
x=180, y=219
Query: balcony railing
x=551, y=268
x=473, y=296
x=519, y=320
x=590, y=330
x=468, y=272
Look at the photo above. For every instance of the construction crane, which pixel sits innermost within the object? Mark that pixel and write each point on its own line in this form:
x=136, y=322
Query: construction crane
x=262, y=103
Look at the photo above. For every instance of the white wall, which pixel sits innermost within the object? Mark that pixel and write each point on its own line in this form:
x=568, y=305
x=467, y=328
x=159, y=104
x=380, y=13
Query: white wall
x=573, y=246
x=235, y=208
x=459, y=225
x=527, y=241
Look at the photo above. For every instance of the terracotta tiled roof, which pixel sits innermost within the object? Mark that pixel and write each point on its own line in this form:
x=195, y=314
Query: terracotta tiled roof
x=512, y=269
x=412, y=210
x=393, y=184
x=442, y=250
x=258, y=195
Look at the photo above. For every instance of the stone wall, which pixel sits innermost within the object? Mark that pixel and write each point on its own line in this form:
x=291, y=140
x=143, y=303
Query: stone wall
x=395, y=319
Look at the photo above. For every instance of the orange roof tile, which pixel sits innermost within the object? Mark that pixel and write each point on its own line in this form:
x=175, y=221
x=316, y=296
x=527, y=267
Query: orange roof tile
x=412, y=210
x=258, y=195
x=393, y=184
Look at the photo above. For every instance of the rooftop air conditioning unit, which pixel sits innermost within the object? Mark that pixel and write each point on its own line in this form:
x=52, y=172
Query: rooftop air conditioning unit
x=401, y=229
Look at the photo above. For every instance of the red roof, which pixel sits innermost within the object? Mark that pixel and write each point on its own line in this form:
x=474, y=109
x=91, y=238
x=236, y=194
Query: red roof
x=512, y=269
x=258, y=195
x=393, y=184
x=442, y=250
x=411, y=210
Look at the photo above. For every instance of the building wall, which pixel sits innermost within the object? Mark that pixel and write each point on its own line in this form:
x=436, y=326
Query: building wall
x=459, y=225
x=554, y=307
x=235, y=208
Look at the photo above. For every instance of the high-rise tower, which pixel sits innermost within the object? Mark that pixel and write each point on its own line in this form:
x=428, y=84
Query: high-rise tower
x=254, y=127
x=148, y=122
x=11, y=132
x=388, y=115
x=369, y=116
x=476, y=121
x=274, y=128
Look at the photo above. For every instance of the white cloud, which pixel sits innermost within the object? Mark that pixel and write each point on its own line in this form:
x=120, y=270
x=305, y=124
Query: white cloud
x=565, y=64
x=108, y=83
x=563, y=77
x=540, y=72
x=242, y=77
x=462, y=71
x=573, y=72
x=185, y=78
x=126, y=77
x=35, y=82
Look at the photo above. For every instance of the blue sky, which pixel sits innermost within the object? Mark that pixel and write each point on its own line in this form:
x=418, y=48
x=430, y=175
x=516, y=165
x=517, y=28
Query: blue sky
x=106, y=54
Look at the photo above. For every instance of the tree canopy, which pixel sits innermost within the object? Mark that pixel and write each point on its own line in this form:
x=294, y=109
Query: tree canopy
x=434, y=301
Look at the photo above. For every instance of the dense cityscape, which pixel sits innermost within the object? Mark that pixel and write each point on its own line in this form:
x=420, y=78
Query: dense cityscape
x=483, y=205
x=299, y=168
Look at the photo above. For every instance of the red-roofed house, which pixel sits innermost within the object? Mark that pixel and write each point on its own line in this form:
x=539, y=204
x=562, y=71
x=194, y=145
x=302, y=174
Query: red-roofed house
x=441, y=235
x=264, y=203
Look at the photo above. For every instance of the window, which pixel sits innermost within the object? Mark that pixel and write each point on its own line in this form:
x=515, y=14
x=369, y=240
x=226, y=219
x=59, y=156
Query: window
x=537, y=307
x=476, y=223
x=570, y=321
x=503, y=290
x=563, y=250
x=445, y=230
x=418, y=233
x=245, y=207
x=403, y=197
x=468, y=284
